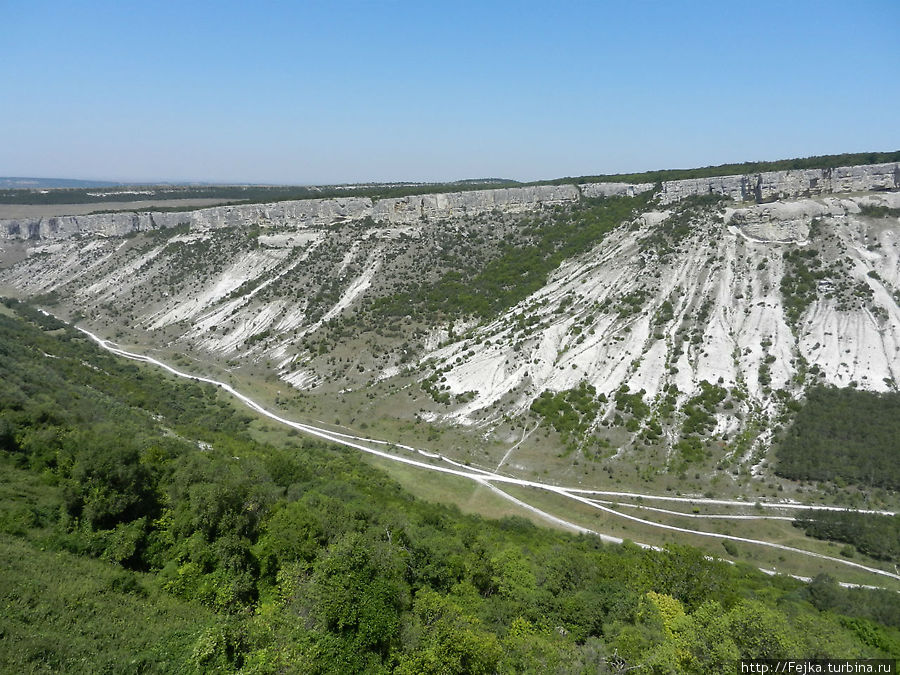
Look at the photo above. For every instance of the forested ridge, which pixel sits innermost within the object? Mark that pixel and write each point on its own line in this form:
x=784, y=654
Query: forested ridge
x=743, y=168
x=874, y=535
x=142, y=529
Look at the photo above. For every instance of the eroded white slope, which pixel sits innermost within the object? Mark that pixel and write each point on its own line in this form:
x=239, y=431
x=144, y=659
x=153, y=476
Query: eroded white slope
x=732, y=268
x=191, y=304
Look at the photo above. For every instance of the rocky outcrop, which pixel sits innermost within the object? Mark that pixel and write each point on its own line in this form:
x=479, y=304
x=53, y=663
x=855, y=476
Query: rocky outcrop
x=408, y=210
x=302, y=213
x=762, y=187
x=774, y=185
x=614, y=189
x=789, y=221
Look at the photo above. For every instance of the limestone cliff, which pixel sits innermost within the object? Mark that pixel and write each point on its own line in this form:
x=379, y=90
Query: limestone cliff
x=761, y=187
x=299, y=214
x=773, y=185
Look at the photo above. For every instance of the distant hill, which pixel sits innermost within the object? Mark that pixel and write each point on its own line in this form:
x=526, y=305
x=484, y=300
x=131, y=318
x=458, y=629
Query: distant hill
x=13, y=182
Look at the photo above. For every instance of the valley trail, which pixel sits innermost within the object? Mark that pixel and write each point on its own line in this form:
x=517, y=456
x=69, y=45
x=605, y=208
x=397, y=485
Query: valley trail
x=481, y=476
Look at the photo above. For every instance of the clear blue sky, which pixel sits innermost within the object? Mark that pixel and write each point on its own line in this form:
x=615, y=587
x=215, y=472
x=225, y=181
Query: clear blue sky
x=324, y=92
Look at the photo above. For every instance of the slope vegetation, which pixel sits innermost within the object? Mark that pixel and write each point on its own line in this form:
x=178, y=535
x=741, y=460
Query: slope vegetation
x=302, y=559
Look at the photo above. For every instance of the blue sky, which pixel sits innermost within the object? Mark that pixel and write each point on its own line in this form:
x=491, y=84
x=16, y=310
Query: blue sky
x=324, y=92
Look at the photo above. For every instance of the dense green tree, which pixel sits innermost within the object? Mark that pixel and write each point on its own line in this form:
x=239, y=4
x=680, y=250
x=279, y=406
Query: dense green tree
x=446, y=641
x=358, y=592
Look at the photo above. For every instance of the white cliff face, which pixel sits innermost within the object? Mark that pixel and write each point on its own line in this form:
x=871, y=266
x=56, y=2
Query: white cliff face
x=409, y=210
x=761, y=187
x=299, y=214
x=614, y=189
x=772, y=185
x=302, y=213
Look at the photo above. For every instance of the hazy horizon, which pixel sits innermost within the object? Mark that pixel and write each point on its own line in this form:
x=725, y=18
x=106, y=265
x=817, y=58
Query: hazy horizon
x=115, y=182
